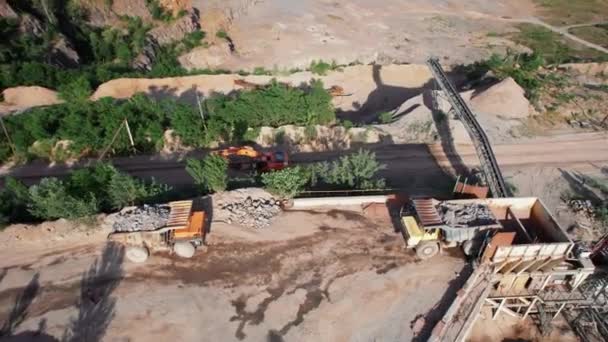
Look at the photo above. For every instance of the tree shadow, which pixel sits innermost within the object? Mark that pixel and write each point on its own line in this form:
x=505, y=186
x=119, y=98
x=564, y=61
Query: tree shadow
x=382, y=99
x=19, y=311
x=439, y=310
x=577, y=184
x=96, y=306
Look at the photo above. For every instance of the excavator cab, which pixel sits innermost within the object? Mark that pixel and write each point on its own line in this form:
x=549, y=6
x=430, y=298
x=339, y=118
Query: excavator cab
x=248, y=158
x=272, y=161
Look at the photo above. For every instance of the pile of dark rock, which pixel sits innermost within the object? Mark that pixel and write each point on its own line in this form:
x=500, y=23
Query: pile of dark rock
x=251, y=207
x=466, y=215
x=584, y=206
x=146, y=217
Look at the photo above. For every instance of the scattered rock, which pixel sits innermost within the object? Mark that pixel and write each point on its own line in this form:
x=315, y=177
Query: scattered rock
x=146, y=57
x=146, y=217
x=250, y=207
x=63, y=54
x=176, y=30
x=29, y=24
x=465, y=215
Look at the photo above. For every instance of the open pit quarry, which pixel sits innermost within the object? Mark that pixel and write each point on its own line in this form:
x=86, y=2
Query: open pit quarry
x=422, y=259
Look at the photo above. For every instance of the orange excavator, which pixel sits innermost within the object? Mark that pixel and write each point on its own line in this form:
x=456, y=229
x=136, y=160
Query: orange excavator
x=248, y=158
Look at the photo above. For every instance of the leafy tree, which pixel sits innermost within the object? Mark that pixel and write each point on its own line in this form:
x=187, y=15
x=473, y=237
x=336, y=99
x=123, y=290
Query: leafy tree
x=123, y=190
x=355, y=171
x=78, y=90
x=14, y=199
x=286, y=183
x=51, y=200
x=385, y=117
x=211, y=173
x=321, y=67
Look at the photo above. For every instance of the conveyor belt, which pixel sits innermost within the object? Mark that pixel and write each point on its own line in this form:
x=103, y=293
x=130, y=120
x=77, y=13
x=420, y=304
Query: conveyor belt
x=482, y=145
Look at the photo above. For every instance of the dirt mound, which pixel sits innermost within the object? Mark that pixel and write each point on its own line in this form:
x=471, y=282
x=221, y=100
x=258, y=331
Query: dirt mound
x=588, y=69
x=505, y=99
x=19, y=98
x=499, y=109
x=368, y=88
x=413, y=122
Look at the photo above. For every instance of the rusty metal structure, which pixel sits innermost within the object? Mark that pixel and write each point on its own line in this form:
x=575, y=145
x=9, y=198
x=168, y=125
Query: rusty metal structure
x=529, y=268
x=480, y=140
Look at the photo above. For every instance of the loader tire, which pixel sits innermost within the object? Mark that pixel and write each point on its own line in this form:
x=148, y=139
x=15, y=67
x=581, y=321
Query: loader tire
x=137, y=254
x=184, y=249
x=427, y=250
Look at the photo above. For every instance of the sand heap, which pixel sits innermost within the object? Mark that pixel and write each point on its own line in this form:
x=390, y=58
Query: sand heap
x=20, y=98
x=499, y=109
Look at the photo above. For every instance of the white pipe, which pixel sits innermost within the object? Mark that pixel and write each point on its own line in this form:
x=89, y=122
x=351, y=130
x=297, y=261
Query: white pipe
x=299, y=203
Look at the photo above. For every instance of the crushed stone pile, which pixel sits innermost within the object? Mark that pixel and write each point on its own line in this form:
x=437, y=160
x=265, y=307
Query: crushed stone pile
x=250, y=207
x=465, y=215
x=146, y=217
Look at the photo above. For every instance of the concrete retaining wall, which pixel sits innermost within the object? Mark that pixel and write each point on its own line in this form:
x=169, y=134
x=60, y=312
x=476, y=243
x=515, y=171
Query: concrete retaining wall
x=317, y=202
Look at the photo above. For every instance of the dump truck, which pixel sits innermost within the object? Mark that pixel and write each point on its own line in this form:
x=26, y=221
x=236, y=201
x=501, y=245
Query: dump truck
x=183, y=234
x=249, y=158
x=430, y=225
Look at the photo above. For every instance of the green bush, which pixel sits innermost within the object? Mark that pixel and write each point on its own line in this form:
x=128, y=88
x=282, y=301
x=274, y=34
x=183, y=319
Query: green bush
x=51, y=200
x=78, y=90
x=523, y=68
x=355, y=171
x=321, y=67
x=310, y=132
x=14, y=199
x=157, y=11
x=385, y=117
x=211, y=173
x=90, y=126
x=274, y=105
x=347, y=124
x=84, y=192
x=193, y=39
x=286, y=183
x=221, y=34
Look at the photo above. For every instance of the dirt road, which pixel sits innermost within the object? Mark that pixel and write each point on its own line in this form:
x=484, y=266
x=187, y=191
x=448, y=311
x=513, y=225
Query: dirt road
x=308, y=277
x=413, y=167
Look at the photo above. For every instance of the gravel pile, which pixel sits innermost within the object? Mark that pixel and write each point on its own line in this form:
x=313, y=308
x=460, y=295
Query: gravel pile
x=251, y=207
x=146, y=217
x=466, y=215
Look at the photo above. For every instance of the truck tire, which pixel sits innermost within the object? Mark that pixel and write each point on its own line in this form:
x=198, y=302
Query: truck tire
x=137, y=254
x=427, y=250
x=184, y=249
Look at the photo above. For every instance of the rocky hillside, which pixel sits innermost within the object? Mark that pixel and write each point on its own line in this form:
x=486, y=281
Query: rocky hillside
x=47, y=43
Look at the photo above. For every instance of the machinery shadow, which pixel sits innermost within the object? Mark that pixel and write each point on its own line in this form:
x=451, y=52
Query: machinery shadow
x=439, y=310
x=204, y=204
x=442, y=123
x=382, y=99
x=96, y=305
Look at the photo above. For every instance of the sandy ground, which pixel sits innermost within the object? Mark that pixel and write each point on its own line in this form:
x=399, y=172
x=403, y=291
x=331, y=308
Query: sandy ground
x=22, y=98
x=507, y=328
x=283, y=35
x=310, y=276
